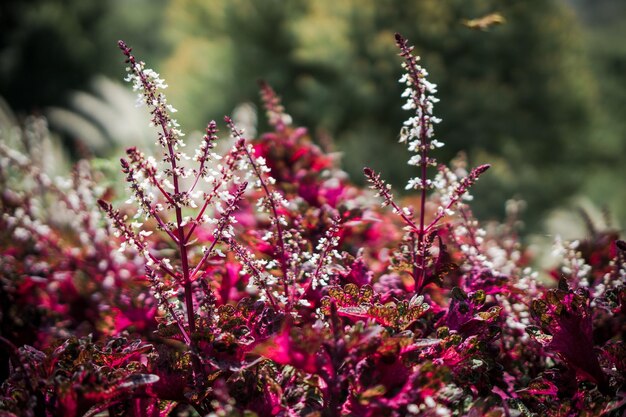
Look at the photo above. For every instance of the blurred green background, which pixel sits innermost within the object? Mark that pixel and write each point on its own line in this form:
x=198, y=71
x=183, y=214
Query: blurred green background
x=541, y=96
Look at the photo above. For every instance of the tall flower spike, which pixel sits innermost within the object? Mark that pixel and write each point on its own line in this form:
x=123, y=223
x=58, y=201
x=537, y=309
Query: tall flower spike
x=418, y=130
x=148, y=85
x=418, y=133
x=204, y=152
x=275, y=111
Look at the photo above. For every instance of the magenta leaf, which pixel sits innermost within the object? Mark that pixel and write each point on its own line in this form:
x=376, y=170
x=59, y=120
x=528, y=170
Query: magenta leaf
x=566, y=316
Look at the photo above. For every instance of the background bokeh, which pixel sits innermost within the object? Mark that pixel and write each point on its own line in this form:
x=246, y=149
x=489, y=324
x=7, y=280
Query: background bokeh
x=541, y=96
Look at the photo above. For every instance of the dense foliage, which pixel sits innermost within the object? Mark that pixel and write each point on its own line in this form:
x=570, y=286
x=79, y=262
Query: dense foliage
x=259, y=282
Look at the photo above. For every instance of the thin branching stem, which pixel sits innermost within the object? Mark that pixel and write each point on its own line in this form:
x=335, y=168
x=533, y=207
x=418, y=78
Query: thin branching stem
x=131, y=237
x=383, y=190
x=329, y=244
x=273, y=206
x=246, y=260
x=233, y=157
x=461, y=189
x=224, y=222
x=163, y=301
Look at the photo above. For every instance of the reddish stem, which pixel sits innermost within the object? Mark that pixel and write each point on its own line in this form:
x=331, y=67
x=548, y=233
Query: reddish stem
x=279, y=230
x=225, y=222
x=163, y=118
x=320, y=263
x=225, y=174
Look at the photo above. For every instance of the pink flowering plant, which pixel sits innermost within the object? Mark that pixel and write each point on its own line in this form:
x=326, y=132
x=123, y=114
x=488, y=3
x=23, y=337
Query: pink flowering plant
x=261, y=282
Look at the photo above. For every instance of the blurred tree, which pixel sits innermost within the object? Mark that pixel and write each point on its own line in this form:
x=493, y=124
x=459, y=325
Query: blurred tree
x=517, y=94
x=605, y=30
x=49, y=47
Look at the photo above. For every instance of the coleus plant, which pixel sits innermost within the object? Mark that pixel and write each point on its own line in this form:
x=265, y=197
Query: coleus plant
x=260, y=282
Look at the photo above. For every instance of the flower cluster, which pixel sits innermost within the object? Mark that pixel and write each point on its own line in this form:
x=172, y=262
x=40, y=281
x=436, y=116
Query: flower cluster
x=261, y=282
x=416, y=251
x=418, y=131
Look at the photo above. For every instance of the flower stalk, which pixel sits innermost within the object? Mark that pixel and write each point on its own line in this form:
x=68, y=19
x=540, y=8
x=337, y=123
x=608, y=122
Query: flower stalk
x=271, y=197
x=418, y=134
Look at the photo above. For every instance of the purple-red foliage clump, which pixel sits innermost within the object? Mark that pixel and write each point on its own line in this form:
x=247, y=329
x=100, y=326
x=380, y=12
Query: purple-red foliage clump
x=261, y=282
